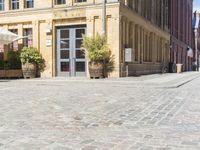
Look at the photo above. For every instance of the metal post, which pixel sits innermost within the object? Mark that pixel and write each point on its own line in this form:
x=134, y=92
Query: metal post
x=196, y=50
x=104, y=18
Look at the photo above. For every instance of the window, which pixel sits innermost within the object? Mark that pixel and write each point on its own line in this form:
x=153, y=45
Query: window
x=137, y=42
x=29, y=3
x=130, y=3
x=59, y=2
x=14, y=4
x=79, y=1
x=159, y=49
x=136, y=5
x=28, y=41
x=1, y=5
x=14, y=45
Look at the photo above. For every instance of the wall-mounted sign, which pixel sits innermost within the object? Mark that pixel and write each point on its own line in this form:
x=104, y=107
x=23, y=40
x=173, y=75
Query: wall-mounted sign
x=48, y=42
x=48, y=29
x=70, y=13
x=128, y=55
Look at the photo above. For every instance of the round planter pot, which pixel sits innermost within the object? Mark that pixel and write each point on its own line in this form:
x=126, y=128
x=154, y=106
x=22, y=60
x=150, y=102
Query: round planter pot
x=96, y=70
x=29, y=70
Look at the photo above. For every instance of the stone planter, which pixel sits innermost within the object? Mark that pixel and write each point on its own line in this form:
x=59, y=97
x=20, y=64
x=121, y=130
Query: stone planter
x=29, y=70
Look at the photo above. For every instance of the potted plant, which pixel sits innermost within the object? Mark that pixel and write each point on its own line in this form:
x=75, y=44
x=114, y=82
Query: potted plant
x=2, y=71
x=14, y=64
x=98, y=54
x=11, y=67
x=31, y=61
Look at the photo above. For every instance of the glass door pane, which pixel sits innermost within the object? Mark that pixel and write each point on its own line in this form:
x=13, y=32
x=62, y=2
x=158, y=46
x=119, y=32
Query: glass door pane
x=63, y=52
x=70, y=55
x=79, y=52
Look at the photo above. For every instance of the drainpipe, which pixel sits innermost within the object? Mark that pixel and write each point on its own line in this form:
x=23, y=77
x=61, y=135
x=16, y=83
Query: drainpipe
x=104, y=17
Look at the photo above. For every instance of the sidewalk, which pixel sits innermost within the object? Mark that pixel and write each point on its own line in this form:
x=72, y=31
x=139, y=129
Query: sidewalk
x=173, y=80
x=169, y=80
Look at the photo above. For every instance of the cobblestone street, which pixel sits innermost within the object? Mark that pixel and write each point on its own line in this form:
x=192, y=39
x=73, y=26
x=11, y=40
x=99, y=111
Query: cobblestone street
x=61, y=115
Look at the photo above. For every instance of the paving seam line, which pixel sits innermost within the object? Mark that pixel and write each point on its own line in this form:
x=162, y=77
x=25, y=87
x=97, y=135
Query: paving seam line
x=181, y=84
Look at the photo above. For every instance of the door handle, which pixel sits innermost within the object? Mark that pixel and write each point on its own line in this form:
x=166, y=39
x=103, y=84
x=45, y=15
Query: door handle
x=74, y=63
x=74, y=66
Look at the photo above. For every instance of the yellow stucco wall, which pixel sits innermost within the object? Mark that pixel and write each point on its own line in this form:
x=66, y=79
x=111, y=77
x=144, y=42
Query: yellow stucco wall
x=46, y=14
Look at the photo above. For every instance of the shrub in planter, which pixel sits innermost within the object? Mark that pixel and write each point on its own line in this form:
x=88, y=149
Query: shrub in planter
x=13, y=58
x=99, y=55
x=6, y=65
x=11, y=68
x=1, y=65
x=13, y=61
x=31, y=61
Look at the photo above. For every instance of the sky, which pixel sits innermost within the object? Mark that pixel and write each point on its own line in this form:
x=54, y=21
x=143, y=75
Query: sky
x=196, y=5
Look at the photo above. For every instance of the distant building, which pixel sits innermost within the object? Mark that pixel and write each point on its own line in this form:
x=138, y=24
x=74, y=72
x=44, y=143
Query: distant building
x=196, y=28
x=181, y=12
x=55, y=27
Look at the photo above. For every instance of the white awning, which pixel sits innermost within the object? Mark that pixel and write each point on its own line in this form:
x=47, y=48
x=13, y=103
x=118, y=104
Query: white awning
x=7, y=37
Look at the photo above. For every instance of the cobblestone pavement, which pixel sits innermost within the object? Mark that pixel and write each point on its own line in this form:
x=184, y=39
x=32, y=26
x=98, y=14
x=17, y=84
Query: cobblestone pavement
x=91, y=115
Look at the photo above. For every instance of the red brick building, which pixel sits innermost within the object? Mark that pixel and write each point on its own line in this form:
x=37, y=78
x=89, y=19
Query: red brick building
x=181, y=32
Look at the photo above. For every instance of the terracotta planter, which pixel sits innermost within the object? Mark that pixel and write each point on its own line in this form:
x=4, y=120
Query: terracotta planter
x=96, y=70
x=2, y=73
x=29, y=70
x=14, y=73
x=17, y=73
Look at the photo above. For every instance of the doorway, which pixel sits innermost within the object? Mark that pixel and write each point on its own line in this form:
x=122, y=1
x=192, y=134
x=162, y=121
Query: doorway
x=71, y=60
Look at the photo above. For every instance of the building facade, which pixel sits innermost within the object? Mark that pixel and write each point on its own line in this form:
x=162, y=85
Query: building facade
x=181, y=33
x=150, y=40
x=196, y=29
x=55, y=28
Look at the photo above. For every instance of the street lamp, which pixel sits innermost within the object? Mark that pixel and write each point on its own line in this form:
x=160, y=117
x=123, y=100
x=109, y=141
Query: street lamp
x=104, y=18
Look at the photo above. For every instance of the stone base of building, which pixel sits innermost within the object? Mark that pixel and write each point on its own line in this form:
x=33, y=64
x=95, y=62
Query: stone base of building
x=143, y=69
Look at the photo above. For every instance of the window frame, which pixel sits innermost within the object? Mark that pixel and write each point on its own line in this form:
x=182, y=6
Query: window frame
x=29, y=37
x=2, y=3
x=80, y=1
x=63, y=2
x=26, y=4
x=16, y=2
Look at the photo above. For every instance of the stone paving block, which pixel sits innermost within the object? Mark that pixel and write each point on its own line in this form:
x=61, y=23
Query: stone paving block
x=93, y=115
